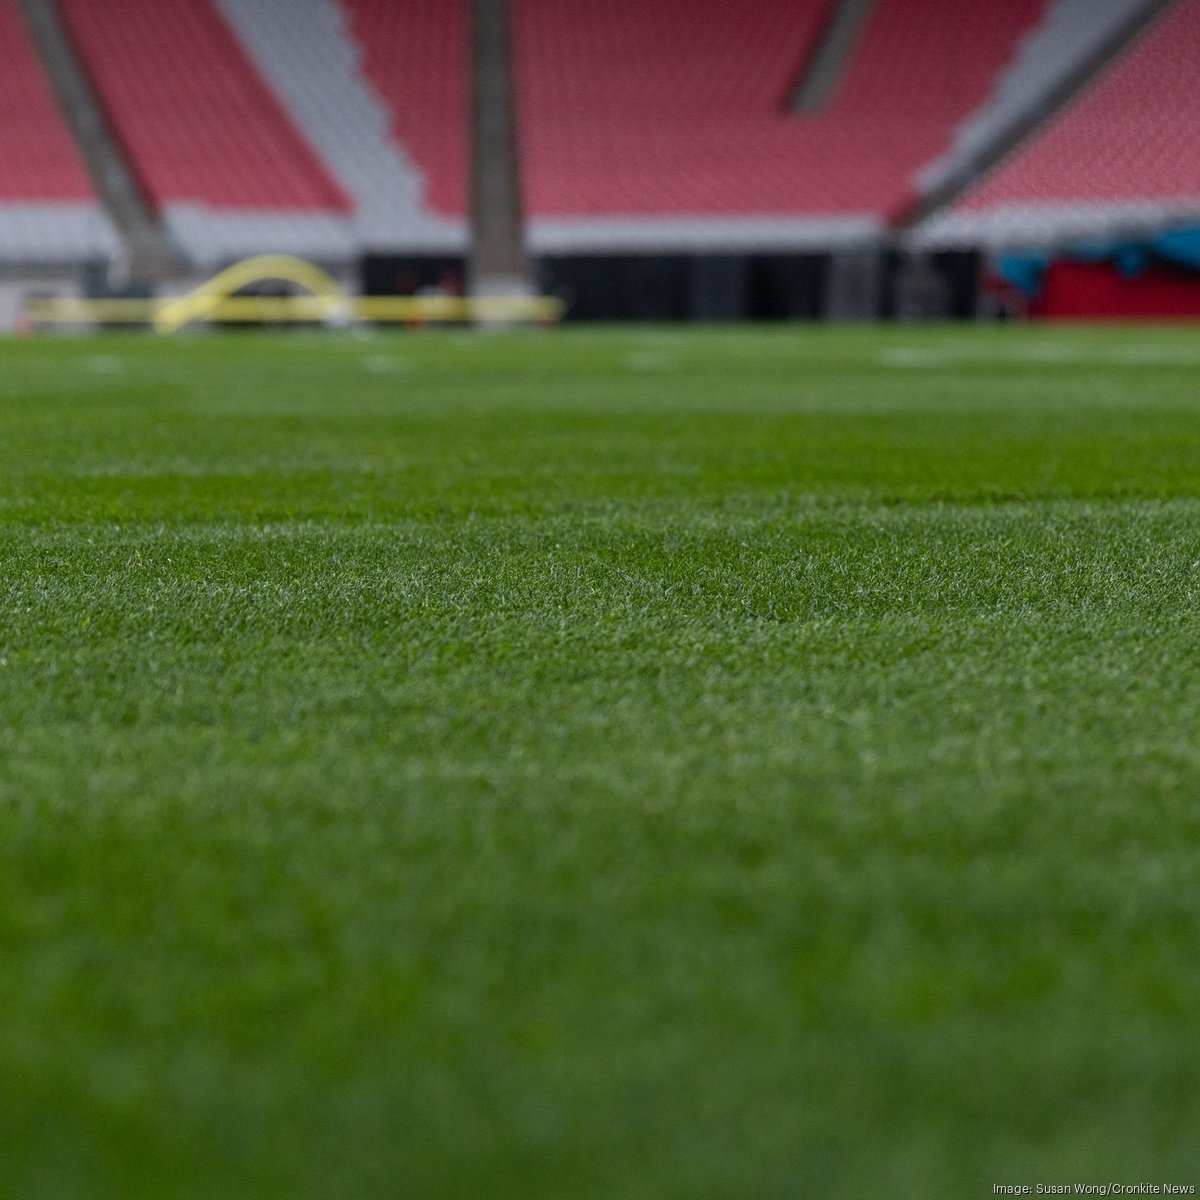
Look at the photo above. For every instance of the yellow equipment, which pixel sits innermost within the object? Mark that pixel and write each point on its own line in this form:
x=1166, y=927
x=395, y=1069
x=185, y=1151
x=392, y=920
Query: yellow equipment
x=326, y=302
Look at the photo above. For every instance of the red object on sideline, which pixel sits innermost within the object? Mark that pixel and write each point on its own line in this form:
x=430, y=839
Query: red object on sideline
x=1099, y=290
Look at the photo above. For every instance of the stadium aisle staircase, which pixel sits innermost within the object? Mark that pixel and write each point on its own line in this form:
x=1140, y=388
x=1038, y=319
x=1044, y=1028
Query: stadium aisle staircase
x=49, y=213
x=1068, y=42
x=212, y=146
x=1124, y=154
x=305, y=51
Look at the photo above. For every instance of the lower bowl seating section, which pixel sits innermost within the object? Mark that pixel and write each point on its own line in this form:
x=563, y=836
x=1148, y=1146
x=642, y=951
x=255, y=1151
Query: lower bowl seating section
x=1124, y=155
x=327, y=128
x=214, y=150
x=653, y=124
x=49, y=213
x=1073, y=35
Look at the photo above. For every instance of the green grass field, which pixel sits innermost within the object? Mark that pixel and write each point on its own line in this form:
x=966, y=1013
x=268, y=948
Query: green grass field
x=635, y=764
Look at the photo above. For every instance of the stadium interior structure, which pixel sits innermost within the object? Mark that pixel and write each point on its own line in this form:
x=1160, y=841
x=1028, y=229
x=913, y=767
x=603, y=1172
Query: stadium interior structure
x=781, y=158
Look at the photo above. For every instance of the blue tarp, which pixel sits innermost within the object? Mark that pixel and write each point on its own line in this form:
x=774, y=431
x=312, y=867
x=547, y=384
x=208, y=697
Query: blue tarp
x=1025, y=271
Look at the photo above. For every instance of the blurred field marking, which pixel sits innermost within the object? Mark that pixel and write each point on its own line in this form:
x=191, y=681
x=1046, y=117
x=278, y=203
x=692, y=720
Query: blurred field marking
x=104, y=364
x=1154, y=356
x=933, y=358
x=649, y=361
x=386, y=364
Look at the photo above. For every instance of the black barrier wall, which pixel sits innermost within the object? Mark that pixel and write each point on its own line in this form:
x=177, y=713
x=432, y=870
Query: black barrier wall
x=712, y=287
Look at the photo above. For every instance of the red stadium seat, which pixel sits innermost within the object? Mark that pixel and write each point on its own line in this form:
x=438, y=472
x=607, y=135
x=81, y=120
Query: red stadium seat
x=679, y=107
x=38, y=159
x=1133, y=136
x=198, y=123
